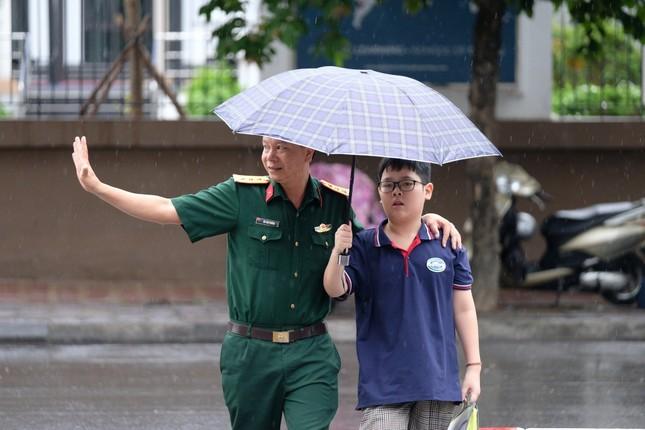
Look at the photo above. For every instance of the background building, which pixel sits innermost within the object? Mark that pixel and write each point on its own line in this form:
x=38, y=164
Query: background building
x=54, y=52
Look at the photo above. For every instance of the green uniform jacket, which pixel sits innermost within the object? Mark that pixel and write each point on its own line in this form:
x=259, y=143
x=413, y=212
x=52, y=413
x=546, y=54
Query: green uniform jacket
x=276, y=253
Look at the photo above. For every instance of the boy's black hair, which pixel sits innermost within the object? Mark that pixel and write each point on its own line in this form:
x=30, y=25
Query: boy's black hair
x=421, y=169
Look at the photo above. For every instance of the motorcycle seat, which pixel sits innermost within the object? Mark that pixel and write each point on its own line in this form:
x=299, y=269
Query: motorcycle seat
x=564, y=224
x=599, y=210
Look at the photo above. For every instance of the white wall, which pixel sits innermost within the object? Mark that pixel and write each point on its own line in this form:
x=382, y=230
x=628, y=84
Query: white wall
x=531, y=98
x=201, y=46
x=284, y=59
x=5, y=40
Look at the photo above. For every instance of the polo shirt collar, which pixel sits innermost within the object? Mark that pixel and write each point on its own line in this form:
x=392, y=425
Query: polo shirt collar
x=381, y=239
x=312, y=192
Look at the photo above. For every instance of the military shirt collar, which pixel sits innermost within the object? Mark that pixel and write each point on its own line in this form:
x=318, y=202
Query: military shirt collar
x=312, y=192
x=381, y=239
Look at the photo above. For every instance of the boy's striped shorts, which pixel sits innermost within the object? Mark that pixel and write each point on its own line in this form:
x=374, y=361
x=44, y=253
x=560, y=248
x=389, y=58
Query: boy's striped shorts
x=421, y=415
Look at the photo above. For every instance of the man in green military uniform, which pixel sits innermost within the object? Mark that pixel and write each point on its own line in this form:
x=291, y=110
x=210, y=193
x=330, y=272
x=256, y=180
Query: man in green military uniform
x=277, y=356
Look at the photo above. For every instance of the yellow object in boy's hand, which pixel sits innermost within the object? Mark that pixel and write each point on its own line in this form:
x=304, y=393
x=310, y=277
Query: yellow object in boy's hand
x=473, y=421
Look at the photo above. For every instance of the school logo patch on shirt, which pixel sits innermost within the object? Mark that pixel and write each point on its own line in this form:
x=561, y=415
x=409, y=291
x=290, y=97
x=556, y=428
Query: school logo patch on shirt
x=436, y=265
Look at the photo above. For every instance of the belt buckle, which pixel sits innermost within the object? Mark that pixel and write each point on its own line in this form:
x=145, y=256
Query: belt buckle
x=281, y=336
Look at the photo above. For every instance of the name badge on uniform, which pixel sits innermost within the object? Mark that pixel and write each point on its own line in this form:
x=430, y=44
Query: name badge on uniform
x=322, y=228
x=267, y=222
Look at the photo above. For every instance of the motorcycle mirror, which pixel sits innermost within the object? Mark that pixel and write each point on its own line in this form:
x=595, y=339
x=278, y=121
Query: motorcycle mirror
x=512, y=179
x=503, y=185
x=539, y=202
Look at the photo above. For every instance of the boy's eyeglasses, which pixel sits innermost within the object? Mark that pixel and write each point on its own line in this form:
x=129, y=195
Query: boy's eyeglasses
x=405, y=185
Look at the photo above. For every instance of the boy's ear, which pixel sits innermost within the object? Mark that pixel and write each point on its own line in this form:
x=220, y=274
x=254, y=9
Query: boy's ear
x=427, y=189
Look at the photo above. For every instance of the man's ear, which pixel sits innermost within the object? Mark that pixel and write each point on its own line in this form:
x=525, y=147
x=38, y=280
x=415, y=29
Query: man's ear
x=310, y=155
x=427, y=189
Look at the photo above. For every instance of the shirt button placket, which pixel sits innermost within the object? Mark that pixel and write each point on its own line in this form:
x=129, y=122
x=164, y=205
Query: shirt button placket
x=296, y=245
x=296, y=268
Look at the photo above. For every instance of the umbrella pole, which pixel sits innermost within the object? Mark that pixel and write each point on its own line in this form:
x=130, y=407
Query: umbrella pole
x=351, y=188
x=343, y=259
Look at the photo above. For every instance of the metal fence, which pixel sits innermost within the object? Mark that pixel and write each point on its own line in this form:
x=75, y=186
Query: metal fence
x=606, y=81
x=55, y=68
x=62, y=49
x=13, y=89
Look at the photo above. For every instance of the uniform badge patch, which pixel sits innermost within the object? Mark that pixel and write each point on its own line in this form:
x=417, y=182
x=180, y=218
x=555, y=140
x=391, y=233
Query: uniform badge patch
x=250, y=180
x=322, y=228
x=267, y=222
x=338, y=189
x=436, y=265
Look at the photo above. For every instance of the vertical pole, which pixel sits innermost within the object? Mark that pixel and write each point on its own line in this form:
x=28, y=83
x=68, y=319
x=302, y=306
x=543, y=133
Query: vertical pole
x=5, y=42
x=57, y=40
x=159, y=30
x=642, y=110
x=343, y=258
x=6, y=78
x=351, y=188
x=132, y=18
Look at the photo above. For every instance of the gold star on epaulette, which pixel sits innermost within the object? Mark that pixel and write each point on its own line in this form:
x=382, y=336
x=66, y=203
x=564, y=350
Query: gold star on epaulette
x=252, y=180
x=341, y=190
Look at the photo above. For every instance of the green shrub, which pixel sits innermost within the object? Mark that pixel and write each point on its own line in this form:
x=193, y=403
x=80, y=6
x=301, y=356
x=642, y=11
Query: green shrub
x=3, y=113
x=589, y=99
x=209, y=88
x=601, y=81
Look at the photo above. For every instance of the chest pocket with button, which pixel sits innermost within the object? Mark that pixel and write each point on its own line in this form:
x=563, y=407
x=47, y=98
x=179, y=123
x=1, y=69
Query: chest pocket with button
x=264, y=246
x=322, y=244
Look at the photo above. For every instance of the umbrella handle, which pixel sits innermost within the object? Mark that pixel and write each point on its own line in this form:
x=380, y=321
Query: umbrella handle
x=343, y=258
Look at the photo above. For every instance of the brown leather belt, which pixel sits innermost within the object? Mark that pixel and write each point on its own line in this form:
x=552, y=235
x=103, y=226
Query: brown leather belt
x=287, y=336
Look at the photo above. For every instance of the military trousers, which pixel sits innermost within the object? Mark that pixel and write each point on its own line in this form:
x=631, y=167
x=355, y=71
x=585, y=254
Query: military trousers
x=263, y=380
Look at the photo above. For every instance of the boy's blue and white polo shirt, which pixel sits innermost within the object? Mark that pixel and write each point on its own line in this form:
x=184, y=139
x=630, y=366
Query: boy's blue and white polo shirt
x=405, y=338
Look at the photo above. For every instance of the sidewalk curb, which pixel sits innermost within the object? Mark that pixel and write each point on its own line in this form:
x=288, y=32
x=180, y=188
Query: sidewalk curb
x=208, y=323
x=575, y=325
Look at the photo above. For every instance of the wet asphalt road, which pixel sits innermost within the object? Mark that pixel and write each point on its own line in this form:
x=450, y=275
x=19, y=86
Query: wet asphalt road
x=163, y=387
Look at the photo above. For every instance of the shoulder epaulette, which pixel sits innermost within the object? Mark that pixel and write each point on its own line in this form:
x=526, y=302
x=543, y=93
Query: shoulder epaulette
x=253, y=180
x=341, y=190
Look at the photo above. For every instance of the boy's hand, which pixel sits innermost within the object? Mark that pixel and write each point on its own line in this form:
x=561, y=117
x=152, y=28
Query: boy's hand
x=84, y=171
x=471, y=383
x=343, y=239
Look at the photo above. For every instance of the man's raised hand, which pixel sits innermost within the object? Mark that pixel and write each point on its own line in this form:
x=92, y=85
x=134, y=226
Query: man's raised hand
x=84, y=172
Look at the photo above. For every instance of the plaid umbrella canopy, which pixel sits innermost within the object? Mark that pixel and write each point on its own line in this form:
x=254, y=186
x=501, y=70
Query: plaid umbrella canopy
x=356, y=112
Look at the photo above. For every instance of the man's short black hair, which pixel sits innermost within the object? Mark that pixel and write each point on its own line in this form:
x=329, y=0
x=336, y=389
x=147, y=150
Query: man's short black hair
x=421, y=169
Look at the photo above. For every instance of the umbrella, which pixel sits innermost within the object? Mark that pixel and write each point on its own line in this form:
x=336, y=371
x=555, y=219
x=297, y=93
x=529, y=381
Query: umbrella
x=356, y=112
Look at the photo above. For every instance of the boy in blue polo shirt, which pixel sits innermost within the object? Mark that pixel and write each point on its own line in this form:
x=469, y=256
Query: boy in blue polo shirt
x=411, y=296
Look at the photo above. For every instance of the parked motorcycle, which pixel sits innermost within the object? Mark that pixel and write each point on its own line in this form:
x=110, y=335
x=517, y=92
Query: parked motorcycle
x=599, y=248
